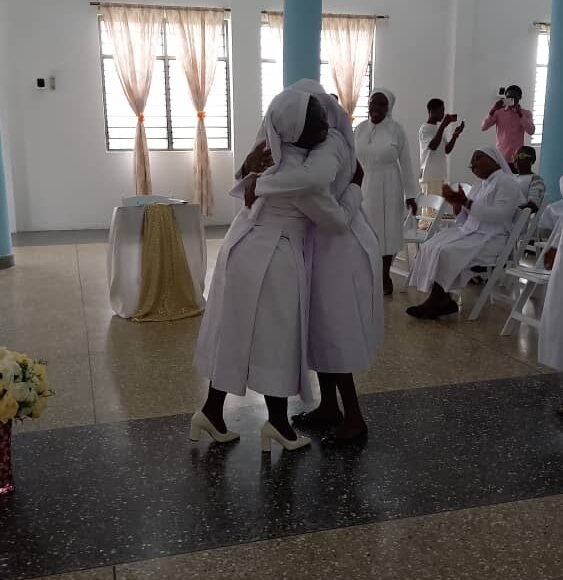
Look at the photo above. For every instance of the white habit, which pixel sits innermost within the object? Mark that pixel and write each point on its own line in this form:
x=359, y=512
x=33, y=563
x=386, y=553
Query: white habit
x=478, y=238
x=551, y=329
x=389, y=180
x=254, y=331
x=346, y=305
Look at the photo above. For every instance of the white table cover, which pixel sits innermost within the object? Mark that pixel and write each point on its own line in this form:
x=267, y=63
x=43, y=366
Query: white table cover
x=126, y=248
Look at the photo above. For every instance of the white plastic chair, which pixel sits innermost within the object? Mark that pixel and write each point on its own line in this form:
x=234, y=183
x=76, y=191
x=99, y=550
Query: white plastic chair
x=532, y=231
x=413, y=235
x=496, y=272
x=533, y=278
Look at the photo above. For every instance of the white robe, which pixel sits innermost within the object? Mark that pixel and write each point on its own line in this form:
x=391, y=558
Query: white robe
x=477, y=240
x=383, y=151
x=551, y=329
x=254, y=331
x=346, y=306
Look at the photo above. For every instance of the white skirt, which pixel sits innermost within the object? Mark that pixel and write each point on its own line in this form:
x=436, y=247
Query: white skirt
x=448, y=257
x=551, y=329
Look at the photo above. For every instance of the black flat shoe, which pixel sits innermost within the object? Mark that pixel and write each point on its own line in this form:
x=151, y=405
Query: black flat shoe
x=333, y=442
x=421, y=312
x=315, y=420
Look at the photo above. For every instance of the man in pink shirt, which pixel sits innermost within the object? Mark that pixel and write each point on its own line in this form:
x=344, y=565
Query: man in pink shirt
x=512, y=122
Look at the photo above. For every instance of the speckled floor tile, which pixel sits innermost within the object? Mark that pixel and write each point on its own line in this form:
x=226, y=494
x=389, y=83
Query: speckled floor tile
x=97, y=574
x=138, y=490
x=508, y=542
x=73, y=403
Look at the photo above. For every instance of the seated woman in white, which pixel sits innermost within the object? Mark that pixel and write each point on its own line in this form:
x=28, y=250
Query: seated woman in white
x=254, y=332
x=484, y=222
x=551, y=329
x=346, y=306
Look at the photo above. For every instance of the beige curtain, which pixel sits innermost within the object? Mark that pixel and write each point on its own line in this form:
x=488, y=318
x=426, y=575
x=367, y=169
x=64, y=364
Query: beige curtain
x=199, y=33
x=275, y=22
x=349, y=43
x=135, y=34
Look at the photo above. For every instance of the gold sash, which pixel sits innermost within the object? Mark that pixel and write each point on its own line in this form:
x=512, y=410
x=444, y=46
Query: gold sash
x=167, y=289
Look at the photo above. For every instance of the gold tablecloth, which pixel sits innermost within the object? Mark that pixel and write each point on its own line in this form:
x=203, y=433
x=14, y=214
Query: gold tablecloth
x=167, y=288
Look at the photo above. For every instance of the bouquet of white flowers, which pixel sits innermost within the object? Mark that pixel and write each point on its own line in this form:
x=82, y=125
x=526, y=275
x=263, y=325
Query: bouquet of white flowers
x=23, y=386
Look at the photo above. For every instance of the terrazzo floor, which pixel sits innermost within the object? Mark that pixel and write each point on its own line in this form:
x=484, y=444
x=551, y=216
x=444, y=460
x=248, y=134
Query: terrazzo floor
x=461, y=478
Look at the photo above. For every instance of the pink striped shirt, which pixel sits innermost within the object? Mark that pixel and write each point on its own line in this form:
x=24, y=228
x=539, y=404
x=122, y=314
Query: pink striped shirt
x=511, y=129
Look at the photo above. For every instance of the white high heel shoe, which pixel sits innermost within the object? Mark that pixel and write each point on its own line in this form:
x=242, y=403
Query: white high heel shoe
x=201, y=423
x=269, y=433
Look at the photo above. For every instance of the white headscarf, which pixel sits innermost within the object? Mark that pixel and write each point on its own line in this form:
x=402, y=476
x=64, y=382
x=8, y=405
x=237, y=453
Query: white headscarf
x=337, y=116
x=284, y=122
x=497, y=157
x=390, y=98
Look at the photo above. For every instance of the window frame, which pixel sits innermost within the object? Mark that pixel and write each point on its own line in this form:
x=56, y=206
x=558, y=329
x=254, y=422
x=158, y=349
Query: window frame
x=226, y=58
x=369, y=72
x=537, y=139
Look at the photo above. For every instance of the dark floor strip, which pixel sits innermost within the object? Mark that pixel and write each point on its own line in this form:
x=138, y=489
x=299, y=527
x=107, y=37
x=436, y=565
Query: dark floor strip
x=138, y=490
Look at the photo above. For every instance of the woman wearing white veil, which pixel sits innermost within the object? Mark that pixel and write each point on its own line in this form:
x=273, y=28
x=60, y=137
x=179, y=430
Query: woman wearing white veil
x=346, y=305
x=484, y=222
x=254, y=331
x=389, y=183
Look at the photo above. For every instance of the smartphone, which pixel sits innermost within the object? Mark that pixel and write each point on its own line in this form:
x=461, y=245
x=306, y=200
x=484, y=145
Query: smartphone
x=454, y=118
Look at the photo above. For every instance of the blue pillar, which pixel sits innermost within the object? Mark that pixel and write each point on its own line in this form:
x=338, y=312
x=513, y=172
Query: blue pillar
x=302, y=40
x=551, y=152
x=6, y=255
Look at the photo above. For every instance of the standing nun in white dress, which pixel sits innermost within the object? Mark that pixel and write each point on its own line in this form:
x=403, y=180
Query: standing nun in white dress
x=383, y=150
x=484, y=222
x=551, y=329
x=254, y=331
x=346, y=305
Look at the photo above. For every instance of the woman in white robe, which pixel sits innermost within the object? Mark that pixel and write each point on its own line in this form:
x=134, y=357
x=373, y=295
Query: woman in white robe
x=346, y=304
x=383, y=150
x=551, y=329
x=484, y=222
x=254, y=331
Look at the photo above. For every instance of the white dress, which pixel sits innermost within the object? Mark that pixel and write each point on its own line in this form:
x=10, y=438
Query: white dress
x=254, y=331
x=478, y=239
x=383, y=151
x=551, y=329
x=346, y=307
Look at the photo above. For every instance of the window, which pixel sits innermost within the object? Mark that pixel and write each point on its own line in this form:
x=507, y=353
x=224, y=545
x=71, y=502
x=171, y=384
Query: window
x=272, y=75
x=542, y=62
x=170, y=117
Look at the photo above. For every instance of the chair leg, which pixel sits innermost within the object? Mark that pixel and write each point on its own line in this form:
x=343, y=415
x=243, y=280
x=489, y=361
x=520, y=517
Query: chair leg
x=484, y=296
x=518, y=308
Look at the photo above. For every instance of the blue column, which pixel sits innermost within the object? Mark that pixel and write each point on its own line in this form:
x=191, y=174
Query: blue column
x=6, y=255
x=302, y=40
x=551, y=153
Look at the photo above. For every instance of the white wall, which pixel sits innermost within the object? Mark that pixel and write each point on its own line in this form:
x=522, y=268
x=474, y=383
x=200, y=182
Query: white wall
x=500, y=50
x=64, y=178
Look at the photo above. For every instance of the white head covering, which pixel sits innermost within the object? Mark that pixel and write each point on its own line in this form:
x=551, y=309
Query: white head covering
x=284, y=121
x=390, y=97
x=496, y=156
x=337, y=116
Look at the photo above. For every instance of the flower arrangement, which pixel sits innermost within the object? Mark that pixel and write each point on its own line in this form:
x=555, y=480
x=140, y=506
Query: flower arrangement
x=24, y=388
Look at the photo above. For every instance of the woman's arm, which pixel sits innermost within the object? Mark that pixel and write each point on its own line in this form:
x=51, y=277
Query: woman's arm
x=410, y=184
x=328, y=214
x=505, y=203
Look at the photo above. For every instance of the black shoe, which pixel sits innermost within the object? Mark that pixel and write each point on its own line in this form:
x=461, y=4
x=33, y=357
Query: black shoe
x=315, y=420
x=422, y=312
x=333, y=442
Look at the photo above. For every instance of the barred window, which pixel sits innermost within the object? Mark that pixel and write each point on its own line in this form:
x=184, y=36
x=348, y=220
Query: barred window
x=542, y=61
x=170, y=116
x=272, y=75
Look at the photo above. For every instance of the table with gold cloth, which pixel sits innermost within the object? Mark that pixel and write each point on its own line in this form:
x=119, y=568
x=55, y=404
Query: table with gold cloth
x=157, y=260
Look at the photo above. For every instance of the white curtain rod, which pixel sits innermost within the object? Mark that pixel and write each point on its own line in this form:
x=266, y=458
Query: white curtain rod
x=157, y=6
x=376, y=16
